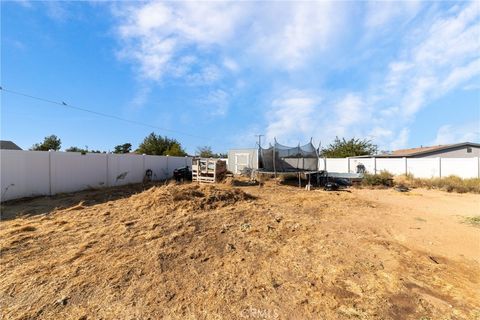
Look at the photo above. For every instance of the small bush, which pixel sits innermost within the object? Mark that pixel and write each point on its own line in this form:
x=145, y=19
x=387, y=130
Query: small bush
x=475, y=220
x=384, y=179
x=449, y=184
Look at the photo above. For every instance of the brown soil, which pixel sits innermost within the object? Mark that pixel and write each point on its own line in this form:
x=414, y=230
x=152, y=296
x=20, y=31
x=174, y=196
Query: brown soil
x=220, y=252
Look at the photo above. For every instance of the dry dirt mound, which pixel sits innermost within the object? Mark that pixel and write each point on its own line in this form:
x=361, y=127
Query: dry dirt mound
x=191, y=196
x=216, y=252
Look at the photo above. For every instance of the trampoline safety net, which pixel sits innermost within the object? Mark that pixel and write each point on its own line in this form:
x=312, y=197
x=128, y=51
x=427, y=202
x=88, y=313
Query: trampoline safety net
x=280, y=158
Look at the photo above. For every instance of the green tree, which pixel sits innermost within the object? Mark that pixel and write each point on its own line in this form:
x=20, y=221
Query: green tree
x=76, y=149
x=205, y=152
x=123, y=148
x=175, y=150
x=51, y=142
x=349, y=148
x=157, y=145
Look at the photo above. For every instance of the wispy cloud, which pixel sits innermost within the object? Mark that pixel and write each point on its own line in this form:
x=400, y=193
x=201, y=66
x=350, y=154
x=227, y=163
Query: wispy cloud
x=164, y=38
x=465, y=132
x=158, y=35
x=436, y=53
x=288, y=35
x=431, y=64
x=290, y=117
x=217, y=102
x=444, y=58
x=381, y=14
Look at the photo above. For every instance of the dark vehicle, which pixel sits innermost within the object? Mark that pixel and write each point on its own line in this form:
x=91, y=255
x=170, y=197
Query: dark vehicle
x=331, y=183
x=182, y=174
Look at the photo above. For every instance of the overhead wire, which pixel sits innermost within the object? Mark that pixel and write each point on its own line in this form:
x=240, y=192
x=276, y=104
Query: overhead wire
x=106, y=115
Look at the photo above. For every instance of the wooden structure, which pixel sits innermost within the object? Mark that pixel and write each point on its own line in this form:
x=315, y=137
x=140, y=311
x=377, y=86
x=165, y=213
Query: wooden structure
x=208, y=170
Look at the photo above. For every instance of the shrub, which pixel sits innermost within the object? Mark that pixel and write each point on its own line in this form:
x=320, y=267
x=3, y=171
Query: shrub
x=383, y=178
x=475, y=220
x=449, y=184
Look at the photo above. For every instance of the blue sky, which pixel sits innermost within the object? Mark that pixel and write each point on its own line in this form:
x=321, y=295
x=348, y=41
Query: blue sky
x=402, y=74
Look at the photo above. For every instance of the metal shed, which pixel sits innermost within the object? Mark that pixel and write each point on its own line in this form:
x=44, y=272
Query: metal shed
x=239, y=159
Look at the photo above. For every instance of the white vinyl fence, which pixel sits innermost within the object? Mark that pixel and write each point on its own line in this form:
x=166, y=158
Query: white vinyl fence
x=419, y=167
x=36, y=173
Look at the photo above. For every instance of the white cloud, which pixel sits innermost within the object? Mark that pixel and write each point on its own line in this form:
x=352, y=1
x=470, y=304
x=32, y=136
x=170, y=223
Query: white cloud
x=231, y=65
x=467, y=132
x=56, y=10
x=24, y=3
x=401, y=140
x=203, y=43
x=156, y=34
x=444, y=58
x=288, y=34
x=291, y=117
x=382, y=13
x=440, y=55
x=207, y=74
x=141, y=97
x=351, y=111
x=217, y=102
x=379, y=133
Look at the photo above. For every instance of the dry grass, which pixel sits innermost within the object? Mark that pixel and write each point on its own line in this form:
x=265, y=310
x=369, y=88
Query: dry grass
x=382, y=179
x=218, y=252
x=473, y=220
x=449, y=184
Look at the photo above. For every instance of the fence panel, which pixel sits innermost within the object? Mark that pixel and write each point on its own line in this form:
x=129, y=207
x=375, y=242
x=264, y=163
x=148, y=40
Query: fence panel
x=369, y=164
x=424, y=167
x=24, y=174
x=73, y=171
x=337, y=165
x=125, y=169
x=395, y=166
x=158, y=165
x=33, y=173
x=462, y=167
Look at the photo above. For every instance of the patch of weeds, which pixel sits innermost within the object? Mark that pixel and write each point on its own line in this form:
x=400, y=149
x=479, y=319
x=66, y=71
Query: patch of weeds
x=384, y=178
x=475, y=221
x=245, y=226
x=449, y=184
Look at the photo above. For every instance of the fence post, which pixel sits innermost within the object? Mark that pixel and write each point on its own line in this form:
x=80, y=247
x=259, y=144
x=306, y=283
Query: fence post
x=374, y=165
x=143, y=164
x=50, y=172
x=348, y=164
x=107, y=175
x=440, y=167
x=406, y=167
x=478, y=167
x=168, y=171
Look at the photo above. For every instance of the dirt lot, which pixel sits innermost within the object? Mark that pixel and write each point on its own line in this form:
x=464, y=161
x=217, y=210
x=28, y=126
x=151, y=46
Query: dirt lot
x=276, y=252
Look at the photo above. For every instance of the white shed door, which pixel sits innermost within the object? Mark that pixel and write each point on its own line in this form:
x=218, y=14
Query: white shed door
x=241, y=161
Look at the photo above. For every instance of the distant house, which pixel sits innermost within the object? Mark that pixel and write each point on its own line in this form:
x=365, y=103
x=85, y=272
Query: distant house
x=457, y=150
x=8, y=145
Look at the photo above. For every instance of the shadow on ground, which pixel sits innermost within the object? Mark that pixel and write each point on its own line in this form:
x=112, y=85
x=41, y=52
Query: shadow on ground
x=41, y=205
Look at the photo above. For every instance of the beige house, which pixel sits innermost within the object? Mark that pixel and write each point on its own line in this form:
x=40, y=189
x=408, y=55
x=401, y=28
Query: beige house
x=457, y=150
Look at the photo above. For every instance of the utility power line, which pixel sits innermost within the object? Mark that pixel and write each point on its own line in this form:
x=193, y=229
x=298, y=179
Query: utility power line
x=102, y=114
